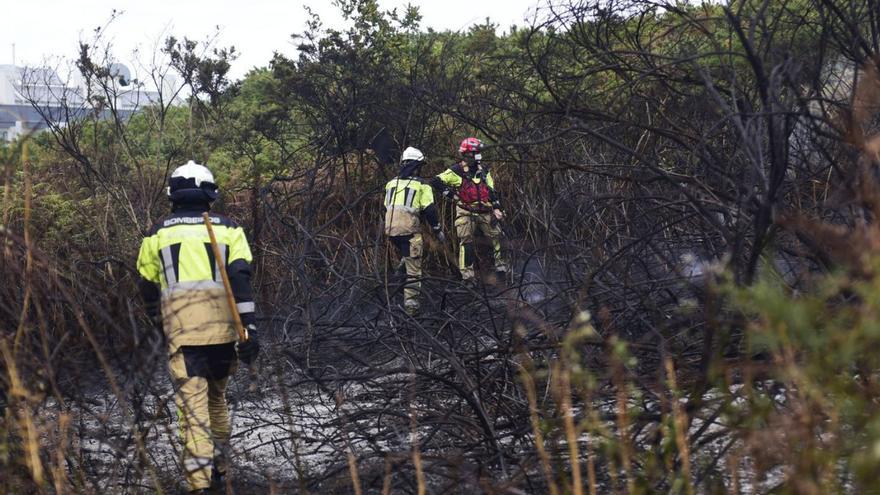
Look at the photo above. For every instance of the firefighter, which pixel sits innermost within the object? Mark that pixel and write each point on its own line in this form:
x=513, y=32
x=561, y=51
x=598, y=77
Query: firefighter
x=477, y=206
x=407, y=199
x=184, y=297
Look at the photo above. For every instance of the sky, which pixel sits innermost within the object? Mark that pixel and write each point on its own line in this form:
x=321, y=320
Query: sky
x=51, y=29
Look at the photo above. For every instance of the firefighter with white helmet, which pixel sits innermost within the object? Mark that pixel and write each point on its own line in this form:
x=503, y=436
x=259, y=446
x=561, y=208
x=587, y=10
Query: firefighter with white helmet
x=408, y=198
x=184, y=296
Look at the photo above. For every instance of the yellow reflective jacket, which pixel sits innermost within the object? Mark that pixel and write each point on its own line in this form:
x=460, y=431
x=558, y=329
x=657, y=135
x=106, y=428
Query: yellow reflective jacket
x=177, y=267
x=406, y=199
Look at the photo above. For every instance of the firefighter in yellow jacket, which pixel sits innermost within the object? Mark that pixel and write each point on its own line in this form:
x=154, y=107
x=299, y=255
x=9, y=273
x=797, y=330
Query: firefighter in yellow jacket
x=407, y=199
x=477, y=206
x=184, y=296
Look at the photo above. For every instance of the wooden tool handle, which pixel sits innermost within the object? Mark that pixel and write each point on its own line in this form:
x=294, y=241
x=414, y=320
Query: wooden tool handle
x=230, y=299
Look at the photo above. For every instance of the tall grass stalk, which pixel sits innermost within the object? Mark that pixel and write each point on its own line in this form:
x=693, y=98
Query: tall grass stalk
x=25, y=422
x=571, y=435
x=531, y=394
x=681, y=425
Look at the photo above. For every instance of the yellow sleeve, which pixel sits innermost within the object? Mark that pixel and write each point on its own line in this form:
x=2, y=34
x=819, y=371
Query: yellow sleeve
x=238, y=246
x=148, y=260
x=450, y=178
x=426, y=196
x=489, y=180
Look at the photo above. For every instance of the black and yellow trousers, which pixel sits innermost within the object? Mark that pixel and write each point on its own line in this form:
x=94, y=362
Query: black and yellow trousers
x=410, y=249
x=467, y=224
x=200, y=375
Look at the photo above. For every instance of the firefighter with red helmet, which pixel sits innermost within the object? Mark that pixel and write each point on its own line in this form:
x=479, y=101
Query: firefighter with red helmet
x=477, y=206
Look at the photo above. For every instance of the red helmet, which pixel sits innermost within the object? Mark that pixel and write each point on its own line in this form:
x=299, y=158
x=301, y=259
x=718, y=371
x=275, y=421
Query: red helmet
x=470, y=145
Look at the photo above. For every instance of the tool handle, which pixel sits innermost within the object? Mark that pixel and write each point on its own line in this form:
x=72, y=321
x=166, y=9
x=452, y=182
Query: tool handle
x=230, y=299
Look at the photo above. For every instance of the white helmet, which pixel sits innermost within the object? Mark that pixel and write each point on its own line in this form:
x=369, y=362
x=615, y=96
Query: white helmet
x=188, y=179
x=412, y=154
x=192, y=170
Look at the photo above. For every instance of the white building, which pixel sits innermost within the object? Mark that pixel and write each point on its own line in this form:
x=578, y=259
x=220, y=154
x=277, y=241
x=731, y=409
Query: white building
x=30, y=98
x=16, y=113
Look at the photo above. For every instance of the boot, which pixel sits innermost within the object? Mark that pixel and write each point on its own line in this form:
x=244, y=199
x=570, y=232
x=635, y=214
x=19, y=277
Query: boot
x=412, y=309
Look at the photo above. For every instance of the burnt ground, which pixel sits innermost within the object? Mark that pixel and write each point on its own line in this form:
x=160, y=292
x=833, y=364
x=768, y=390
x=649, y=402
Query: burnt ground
x=348, y=379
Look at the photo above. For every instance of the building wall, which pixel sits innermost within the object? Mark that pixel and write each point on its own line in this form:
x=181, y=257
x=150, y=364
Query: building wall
x=17, y=115
x=8, y=74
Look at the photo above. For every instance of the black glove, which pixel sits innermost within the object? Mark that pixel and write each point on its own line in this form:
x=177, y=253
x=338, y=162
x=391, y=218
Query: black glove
x=441, y=237
x=250, y=348
x=449, y=194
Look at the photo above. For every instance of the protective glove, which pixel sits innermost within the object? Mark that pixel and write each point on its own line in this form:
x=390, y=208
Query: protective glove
x=250, y=348
x=441, y=237
x=449, y=194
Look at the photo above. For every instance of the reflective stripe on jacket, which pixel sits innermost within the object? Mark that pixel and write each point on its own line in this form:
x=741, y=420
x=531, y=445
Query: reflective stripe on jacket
x=405, y=200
